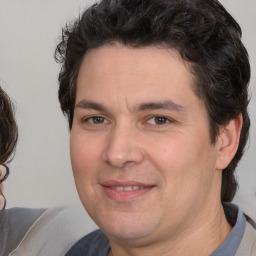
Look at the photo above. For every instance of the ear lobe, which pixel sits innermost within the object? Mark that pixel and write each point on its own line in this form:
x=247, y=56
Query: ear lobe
x=228, y=141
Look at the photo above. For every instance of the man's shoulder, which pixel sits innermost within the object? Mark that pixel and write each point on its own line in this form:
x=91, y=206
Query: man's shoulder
x=248, y=243
x=95, y=243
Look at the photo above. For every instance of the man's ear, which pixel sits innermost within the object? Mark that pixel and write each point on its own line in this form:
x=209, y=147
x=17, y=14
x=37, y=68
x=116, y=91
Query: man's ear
x=228, y=141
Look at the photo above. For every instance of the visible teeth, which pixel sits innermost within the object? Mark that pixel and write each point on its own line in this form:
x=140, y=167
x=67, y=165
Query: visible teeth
x=128, y=188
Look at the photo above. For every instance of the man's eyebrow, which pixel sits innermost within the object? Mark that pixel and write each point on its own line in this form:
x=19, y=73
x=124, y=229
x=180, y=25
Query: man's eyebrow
x=165, y=105
x=85, y=104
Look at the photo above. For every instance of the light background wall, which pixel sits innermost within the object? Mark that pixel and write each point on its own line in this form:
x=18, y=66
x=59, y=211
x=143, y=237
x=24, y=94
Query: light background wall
x=41, y=172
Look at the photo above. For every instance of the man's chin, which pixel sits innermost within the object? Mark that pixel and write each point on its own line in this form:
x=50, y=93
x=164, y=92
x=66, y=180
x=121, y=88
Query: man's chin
x=129, y=229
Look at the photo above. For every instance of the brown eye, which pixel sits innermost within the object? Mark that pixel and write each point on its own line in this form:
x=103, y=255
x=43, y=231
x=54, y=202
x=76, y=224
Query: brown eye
x=158, y=120
x=96, y=120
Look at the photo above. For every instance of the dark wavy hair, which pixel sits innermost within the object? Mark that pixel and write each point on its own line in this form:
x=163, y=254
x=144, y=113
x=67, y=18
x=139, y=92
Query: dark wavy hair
x=8, y=128
x=203, y=32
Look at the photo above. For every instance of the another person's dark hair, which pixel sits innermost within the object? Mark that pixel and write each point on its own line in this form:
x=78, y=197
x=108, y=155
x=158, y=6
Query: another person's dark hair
x=203, y=32
x=8, y=128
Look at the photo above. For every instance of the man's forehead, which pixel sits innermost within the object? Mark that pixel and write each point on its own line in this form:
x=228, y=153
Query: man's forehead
x=119, y=55
x=132, y=73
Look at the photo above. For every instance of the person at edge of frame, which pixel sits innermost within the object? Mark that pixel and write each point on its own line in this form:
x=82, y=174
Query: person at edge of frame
x=32, y=231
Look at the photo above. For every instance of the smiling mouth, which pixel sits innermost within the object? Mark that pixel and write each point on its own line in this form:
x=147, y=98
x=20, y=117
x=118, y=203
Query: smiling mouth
x=125, y=192
x=127, y=188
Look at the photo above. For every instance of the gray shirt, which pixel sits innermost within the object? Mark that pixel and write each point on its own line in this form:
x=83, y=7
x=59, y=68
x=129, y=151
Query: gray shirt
x=52, y=234
x=236, y=219
x=14, y=223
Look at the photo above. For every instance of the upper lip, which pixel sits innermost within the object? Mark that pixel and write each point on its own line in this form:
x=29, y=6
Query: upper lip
x=127, y=183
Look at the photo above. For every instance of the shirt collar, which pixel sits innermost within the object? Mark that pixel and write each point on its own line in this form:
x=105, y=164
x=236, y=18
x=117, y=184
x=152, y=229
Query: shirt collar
x=236, y=218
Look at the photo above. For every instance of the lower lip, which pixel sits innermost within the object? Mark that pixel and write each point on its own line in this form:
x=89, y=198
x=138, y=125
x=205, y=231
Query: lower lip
x=125, y=195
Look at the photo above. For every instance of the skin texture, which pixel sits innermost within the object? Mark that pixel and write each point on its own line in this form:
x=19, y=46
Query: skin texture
x=137, y=122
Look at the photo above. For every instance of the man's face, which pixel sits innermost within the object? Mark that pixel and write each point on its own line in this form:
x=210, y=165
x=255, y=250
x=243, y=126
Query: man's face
x=143, y=162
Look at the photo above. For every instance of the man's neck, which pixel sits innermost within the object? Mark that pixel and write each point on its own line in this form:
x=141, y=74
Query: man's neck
x=202, y=238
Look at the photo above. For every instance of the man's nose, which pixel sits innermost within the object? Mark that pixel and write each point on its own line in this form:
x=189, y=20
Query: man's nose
x=123, y=148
